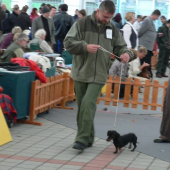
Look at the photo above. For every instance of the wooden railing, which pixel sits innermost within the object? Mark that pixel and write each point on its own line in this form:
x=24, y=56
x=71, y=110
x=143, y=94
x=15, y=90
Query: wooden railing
x=133, y=98
x=60, y=89
x=54, y=94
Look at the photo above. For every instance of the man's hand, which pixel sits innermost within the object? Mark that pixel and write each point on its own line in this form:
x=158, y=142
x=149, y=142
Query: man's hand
x=92, y=48
x=125, y=58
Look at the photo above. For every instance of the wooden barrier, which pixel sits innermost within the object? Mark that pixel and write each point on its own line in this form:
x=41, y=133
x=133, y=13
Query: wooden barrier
x=133, y=99
x=57, y=91
x=60, y=89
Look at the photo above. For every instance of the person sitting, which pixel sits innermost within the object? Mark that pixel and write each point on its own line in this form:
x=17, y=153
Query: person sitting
x=120, y=69
x=135, y=65
x=8, y=38
x=15, y=49
x=40, y=40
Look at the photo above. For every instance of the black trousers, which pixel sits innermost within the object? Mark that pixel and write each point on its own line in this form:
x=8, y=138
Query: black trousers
x=147, y=59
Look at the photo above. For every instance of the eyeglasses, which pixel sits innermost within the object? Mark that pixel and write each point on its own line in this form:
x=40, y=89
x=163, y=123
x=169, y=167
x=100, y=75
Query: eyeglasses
x=26, y=40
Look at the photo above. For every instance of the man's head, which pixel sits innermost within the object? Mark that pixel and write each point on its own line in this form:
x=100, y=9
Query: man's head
x=22, y=40
x=16, y=9
x=76, y=12
x=45, y=12
x=59, y=8
x=105, y=12
x=168, y=23
x=139, y=18
x=155, y=14
x=3, y=7
x=64, y=7
x=163, y=19
x=52, y=11
x=24, y=9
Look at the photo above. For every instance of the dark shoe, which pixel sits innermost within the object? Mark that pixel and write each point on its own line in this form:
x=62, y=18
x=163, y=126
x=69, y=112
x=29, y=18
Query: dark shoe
x=161, y=141
x=79, y=146
x=159, y=76
x=164, y=75
x=89, y=145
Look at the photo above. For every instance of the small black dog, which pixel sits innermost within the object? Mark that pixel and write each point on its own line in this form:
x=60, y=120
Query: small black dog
x=121, y=141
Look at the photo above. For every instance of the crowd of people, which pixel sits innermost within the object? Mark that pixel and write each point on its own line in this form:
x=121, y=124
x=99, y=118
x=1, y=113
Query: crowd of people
x=53, y=30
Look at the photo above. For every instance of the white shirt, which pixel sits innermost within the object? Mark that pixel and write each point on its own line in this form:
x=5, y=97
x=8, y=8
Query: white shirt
x=136, y=25
x=127, y=31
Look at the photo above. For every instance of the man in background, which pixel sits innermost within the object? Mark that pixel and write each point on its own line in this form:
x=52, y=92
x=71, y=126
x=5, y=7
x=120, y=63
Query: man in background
x=2, y=17
x=163, y=20
x=137, y=22
x=5, y=9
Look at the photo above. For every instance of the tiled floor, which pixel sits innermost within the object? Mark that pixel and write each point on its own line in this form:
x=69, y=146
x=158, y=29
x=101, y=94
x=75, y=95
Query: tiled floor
x=49, y=147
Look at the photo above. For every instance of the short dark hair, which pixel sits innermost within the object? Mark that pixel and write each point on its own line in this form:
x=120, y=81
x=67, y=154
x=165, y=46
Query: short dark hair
x=109, y=6
x=64, y=7
x=163, y=17
x=52, y=7
x=156, y=12
x=139, y=16
x=168, y=21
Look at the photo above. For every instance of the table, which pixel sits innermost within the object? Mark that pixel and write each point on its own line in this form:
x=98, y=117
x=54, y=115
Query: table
x=18, y=86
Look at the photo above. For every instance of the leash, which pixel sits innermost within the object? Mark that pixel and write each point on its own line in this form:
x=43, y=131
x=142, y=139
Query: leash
x=118, y=58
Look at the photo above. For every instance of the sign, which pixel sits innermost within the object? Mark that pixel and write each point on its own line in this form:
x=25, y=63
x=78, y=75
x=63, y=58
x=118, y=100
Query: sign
x=5, y=135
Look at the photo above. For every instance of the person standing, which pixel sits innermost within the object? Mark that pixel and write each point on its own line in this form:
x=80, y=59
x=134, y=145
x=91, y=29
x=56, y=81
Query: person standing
x=34, y=14
x=46, y=23
x=137, y=24
x=164, y=49
x=2, y=17
x=147, y=36
x=5, y=10
x=91, y=65
x=163, y=20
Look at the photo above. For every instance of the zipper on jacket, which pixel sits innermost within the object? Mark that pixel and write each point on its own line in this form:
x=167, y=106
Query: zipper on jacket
x=80, y=67
x=96, y=59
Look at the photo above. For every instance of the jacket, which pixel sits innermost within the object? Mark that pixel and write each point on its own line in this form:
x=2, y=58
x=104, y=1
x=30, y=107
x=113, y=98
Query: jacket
x=147, y=34
x=62, y=23
x=8, y=39
x=2, y=16
x=88, y=67
x=25, y=21
x=13, y=20
x=13, y=51
x=38, y=24
x=164, y=39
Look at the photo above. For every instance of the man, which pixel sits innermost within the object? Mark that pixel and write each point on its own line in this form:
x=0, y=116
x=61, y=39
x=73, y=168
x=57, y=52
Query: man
x=63, y=23
x=13, y=18
x=164, y=49
x=137, y=22
x=163, y=20
x=2, y=17
x=46, y=23
x=91, y=65
x=147, y=36
x=15, y=49
x=24, y=19
x=75, y=17
x=5, y=9
x=52, y=11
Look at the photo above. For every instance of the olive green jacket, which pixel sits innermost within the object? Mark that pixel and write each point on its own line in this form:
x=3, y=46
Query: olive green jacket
x=14, y=50
x=88, y=67
x=162, y=41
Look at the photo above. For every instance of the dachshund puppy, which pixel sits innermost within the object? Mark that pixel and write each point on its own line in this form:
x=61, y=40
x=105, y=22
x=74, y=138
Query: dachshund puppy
x=121, y=141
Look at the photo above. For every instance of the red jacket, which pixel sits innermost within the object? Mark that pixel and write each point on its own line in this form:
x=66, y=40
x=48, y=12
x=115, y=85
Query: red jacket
x=33, y=67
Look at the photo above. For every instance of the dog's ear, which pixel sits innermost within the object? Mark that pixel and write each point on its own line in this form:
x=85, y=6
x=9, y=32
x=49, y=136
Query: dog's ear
x=108, y=133
x=116, y=135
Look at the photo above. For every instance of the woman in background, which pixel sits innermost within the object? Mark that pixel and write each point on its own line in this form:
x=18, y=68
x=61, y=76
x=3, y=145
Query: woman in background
x=81, y=13
x=34, y=14
x=117, y=20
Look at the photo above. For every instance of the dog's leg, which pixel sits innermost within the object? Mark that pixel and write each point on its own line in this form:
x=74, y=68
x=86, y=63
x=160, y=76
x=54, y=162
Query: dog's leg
x=134, y=144
x=130, y=145
x=116, y=151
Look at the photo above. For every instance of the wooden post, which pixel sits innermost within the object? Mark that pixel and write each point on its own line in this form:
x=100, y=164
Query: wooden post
x=164, y=93
x=108, y=91
x=127, y=92
x=135, y=93
x=146, y=95
x=154, y=95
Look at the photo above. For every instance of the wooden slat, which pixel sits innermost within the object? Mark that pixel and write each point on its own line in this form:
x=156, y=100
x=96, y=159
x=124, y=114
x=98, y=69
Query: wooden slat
x=165, y=87
x=38, y=96
x=108, y=91
x=154, y=95
x=135, y=93
x=146, y=95
x=127, y=92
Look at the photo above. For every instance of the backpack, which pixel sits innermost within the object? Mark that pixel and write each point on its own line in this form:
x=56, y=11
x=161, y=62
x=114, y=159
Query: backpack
x=5, y=24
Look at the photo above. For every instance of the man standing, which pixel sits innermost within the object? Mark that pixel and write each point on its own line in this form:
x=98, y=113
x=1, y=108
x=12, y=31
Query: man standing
x=46, y=23
x=63, y=23
x=163, y=20
x=5, y=9
x=52, y=11
x=2, y=17
x=147, y=36
x=91, y=65
x=137, y=22
x=164, y=49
